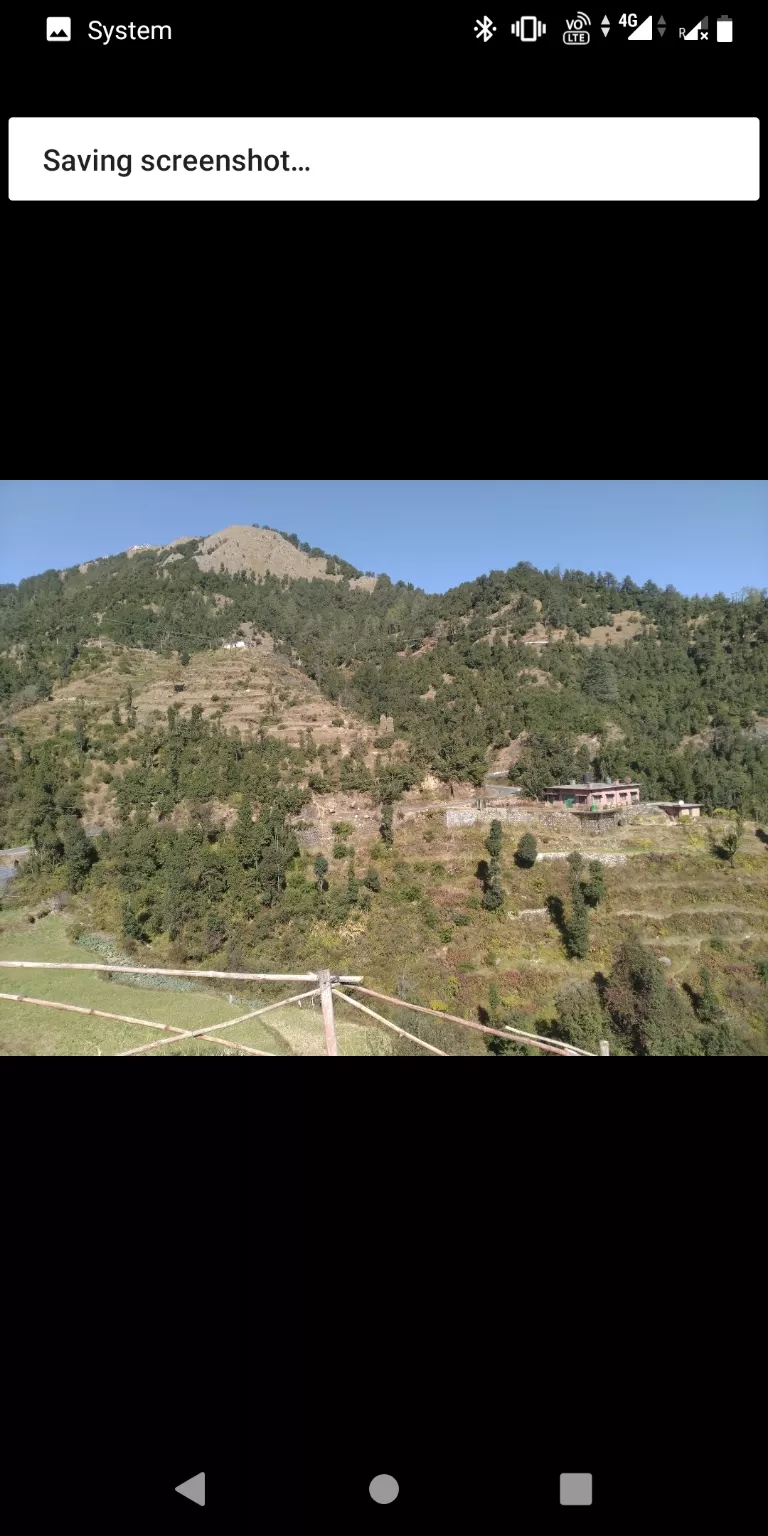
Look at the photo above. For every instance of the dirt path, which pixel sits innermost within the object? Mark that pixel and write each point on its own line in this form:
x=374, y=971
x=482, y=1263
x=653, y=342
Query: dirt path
x=702, y=906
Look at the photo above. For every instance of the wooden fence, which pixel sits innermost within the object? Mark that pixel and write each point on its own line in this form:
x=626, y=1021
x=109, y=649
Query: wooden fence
x=327, y=987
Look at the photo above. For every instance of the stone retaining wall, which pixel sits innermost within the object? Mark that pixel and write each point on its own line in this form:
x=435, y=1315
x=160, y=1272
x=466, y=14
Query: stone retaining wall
x=467, y=817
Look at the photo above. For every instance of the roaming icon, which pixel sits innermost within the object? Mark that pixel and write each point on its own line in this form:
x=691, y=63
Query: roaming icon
x=577, y=32
x=528, y=29
x=484, y=29
x=724, y=29
x=697, y=34
x=58, y=29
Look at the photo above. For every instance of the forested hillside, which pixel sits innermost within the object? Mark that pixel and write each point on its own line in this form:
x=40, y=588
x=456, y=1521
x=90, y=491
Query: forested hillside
x=673, y=698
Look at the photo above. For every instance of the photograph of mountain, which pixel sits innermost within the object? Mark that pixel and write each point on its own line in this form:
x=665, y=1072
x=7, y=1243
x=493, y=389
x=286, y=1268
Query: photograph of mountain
x=523, y=812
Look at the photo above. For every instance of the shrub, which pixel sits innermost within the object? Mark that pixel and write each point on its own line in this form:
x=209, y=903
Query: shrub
x=342, y=828
x=341, y=851
x=371, y=880
x=438, y=1006
x=761, y=966
x=526, y=852
x=446, y=935
x=461, y=920
x=337, y=721
x=718, y=944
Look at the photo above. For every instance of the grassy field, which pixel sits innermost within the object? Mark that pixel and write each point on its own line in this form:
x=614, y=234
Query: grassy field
x=29, y=1031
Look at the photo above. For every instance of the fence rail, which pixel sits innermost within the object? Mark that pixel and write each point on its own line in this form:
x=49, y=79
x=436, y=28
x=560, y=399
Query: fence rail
x=327, y=987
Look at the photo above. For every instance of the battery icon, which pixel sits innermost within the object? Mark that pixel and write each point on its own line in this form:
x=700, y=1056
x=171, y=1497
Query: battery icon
x=724, y=29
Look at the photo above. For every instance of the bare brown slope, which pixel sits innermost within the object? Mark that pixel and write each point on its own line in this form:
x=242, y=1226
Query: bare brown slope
x=242, y=548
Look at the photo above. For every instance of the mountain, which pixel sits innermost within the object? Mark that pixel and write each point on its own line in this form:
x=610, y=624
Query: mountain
x=258, y=550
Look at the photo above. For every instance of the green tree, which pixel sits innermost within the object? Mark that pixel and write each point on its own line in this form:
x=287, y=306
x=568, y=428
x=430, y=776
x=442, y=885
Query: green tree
x=648, y=1014
x=353, y=888
x=79, y=853
x=547, y=758
x=527, y=851
x=184, y=658
x=116, y=717
x=321, y=870
x=493, y=895
x=494, y=1002
x=493, y=840
x=371, y=880
x=594, y=889
x=581, y=1018
x=600, y=679
x=277, y=847
x=730, y=839
x=578, y=921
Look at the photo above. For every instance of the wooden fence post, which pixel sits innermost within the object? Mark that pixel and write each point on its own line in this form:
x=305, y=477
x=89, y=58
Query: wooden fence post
x=326, y=1002
x=603, y=1048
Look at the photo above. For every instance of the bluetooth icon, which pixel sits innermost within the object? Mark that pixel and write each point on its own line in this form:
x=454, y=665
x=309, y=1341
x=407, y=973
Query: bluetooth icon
x=484, y=29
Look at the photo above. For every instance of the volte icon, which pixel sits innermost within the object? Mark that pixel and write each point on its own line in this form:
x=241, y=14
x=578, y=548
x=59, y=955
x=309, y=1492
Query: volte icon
x=577, y=30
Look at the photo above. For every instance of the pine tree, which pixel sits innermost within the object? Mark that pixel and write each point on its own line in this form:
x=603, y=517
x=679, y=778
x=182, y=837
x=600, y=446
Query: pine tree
x=493, y=895
x=578, y=924
x=184, y=658
x=353, y=888
x=493, y=840
x=371, y=880
x=116, y=717
x=527, y=850
x=321, y=870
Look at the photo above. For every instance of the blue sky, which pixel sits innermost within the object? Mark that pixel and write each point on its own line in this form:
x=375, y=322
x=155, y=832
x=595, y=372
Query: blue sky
x=701, y=536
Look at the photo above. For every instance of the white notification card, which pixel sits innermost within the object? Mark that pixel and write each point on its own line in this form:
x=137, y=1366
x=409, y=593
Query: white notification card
x=359, y=159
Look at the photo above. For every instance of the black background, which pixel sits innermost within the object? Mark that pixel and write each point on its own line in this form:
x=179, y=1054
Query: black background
x=333, y=314
x=157, y=1311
